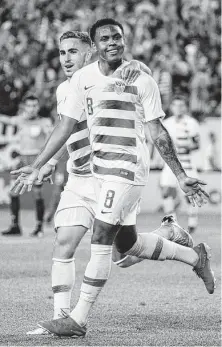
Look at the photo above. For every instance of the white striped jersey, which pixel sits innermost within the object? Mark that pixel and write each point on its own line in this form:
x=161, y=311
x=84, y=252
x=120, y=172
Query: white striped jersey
x=78, y=145
x=116, y=114
x=182, y=130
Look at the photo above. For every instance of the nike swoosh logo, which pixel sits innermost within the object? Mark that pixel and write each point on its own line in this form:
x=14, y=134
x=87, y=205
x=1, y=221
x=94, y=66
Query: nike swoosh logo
x=106, y=212
x=88, y=87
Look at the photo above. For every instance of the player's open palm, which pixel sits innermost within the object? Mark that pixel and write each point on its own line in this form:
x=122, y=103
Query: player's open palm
x=192, y=187
x=27, y=176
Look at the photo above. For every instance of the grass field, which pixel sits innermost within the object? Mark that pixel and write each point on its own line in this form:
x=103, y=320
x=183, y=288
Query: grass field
x=150, y=304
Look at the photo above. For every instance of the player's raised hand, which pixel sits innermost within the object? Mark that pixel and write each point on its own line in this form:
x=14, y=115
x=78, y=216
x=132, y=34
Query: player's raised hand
x=192, y=187
x=24, y=182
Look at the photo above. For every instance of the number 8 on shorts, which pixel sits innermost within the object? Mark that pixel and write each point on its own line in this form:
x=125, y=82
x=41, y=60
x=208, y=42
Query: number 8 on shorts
x=109, y=198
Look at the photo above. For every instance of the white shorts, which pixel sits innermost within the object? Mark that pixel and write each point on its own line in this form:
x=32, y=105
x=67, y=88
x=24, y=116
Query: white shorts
x=168, y=179
x=78, y=203
x=118, y=203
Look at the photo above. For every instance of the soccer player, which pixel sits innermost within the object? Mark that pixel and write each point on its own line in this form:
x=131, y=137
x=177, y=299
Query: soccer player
x=116, y=114
x=185, y=132
x=76, y=210
x=33, y=131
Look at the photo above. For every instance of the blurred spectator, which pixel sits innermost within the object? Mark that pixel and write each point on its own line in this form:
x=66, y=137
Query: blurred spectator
x=179, y=40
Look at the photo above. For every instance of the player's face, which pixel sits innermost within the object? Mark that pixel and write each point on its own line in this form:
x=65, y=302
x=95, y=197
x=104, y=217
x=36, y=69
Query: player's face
x=73, y=54
x=178, y=108
x=31, y=108
x=109, y=42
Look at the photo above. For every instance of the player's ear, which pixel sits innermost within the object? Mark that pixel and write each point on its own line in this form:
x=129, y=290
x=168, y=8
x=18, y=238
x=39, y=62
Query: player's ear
x=88, y=55
x=94, y=49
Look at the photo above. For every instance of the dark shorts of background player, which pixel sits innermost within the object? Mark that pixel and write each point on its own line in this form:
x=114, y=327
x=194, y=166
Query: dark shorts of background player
x=26, y=160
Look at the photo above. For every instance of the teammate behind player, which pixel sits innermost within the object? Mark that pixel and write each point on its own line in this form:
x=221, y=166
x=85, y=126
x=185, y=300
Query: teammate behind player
x=185, y=133
x=32, y=133
x=120, y=163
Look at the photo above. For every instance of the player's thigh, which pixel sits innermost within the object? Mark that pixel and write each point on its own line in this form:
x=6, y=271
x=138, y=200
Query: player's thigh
x=116, y=201
x=77, y=204
x=67, y=241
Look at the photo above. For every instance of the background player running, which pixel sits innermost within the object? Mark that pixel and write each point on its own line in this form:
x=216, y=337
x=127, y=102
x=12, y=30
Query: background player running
x=33, y=131
x=185, y=132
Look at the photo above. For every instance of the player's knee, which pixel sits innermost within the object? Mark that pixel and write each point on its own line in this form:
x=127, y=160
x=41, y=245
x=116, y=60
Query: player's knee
x=125, y=238
x=63, y=248
x=104, y=233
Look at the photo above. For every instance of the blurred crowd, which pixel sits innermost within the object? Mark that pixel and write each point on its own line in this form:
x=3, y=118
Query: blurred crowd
x=178, y=39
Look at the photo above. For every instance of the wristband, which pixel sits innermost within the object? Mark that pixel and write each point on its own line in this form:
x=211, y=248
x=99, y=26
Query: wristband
x=52, y=162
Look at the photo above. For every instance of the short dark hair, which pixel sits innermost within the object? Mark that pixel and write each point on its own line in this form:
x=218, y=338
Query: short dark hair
x=82, y=36
x=101, y=23
x=30, y=97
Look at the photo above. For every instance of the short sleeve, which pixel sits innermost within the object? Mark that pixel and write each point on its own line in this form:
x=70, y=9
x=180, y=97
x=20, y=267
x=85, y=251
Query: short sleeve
x=74, y=102
x=150, y=98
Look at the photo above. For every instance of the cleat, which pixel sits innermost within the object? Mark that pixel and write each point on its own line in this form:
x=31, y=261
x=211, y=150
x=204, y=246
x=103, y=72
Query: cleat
x=203, y=269
x=49, y=218
x=177, y=233
x=38, y=331
x=63, y=327
x=37, y=231
x=168, y=219
x=14, y=230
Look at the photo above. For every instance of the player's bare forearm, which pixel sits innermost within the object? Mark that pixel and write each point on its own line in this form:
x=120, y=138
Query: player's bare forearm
x=56, y=140
x=61, y=152
x=165, y=147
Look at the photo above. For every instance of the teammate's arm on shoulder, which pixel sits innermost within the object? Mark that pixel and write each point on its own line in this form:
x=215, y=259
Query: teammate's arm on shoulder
x=143, y=67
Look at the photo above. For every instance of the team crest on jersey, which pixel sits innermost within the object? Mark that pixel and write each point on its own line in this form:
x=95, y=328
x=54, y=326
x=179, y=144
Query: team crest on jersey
x=119, y=87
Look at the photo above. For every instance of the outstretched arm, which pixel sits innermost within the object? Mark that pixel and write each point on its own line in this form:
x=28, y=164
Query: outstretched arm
x=57, y=139
x=165, y=146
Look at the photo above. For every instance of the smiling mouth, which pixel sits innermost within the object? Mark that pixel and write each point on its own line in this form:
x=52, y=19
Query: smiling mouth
x=68, y=66
x=113, y=51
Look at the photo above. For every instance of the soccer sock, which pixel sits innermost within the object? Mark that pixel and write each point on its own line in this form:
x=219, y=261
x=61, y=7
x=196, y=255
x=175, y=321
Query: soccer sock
x=169, y=206
x=192, y=216
x=15, y=207
x=155, y=247
x=40, y=210
x=63, y=280
x=96, y=275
